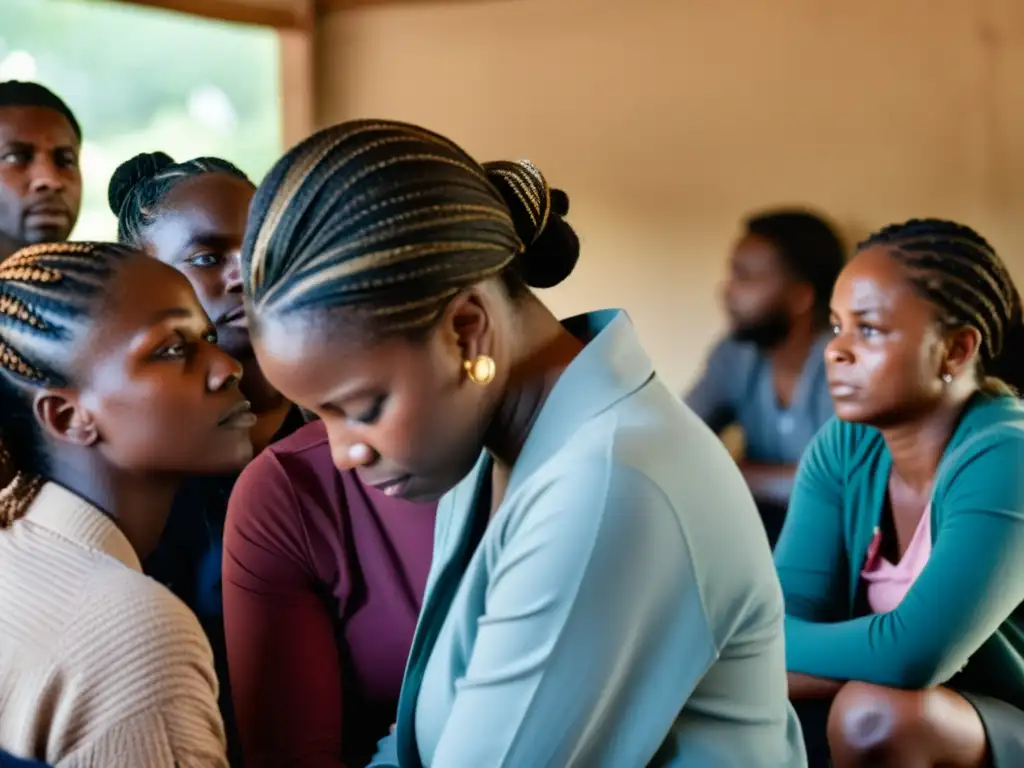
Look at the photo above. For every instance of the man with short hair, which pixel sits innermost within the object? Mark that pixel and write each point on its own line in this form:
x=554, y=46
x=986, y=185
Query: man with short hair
x=768, y=375
x=40, y=181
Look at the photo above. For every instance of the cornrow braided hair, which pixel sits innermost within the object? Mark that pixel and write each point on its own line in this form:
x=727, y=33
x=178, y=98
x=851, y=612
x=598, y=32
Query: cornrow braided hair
x=48, y=294
x=139, y=186
x=393, y=220
x=957, y=270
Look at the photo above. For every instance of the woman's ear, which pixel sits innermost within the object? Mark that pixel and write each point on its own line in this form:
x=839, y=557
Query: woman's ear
x=467, y=323
x=63, y=418
x=963, y=346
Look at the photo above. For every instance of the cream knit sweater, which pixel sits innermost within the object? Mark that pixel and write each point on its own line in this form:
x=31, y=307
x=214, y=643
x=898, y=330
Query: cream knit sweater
x=99, y=664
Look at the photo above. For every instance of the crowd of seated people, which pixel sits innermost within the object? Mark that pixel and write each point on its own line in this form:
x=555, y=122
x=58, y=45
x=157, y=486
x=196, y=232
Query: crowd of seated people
x=304, y=473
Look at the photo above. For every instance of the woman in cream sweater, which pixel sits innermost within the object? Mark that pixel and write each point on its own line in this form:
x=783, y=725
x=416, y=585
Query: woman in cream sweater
x=113, y=391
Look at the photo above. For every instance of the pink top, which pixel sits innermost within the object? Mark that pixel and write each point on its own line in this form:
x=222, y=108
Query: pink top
x=888, y=584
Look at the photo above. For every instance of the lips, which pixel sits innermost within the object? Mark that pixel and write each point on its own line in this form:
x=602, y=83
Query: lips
x=49, y=213
x=239, y=416
x=839, y=389
x=235, y=317
x=393, y=487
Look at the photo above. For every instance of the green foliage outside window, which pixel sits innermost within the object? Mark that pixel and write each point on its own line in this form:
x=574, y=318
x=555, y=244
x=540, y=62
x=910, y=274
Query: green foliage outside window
x=142, y=80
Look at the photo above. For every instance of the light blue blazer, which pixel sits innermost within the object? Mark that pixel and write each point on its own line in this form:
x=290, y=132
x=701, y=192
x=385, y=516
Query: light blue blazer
x=620, y=609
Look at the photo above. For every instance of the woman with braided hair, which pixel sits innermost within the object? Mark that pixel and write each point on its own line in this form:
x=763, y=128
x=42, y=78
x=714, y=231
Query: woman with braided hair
x=600, y=593
x=191, y=215
x=902, y=558
x=113, y=392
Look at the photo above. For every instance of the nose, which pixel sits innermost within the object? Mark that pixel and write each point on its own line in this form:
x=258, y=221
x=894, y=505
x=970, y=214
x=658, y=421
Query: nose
x=46, y=176
x=224, y=372
x=346, y=453
x=837, y=350
x=233, y=272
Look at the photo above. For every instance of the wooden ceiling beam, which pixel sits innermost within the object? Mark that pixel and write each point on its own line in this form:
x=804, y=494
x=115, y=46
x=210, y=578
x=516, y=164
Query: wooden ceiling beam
x=280, y=14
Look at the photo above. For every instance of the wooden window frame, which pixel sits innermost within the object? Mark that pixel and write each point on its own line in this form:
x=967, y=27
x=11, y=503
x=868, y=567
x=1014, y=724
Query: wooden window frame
x=295, y=22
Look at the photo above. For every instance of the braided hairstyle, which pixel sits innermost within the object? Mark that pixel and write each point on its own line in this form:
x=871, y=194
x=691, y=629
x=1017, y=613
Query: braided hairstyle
x=49, y=294
x=810, y=248
x=140, y=185
x=956, y=269
x=391, y=221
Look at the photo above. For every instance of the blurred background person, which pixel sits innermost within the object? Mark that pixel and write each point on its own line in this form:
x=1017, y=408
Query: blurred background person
x=768, y=375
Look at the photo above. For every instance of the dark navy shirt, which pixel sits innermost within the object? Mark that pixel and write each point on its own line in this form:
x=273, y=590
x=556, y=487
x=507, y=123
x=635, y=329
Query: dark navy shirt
x=188, y=562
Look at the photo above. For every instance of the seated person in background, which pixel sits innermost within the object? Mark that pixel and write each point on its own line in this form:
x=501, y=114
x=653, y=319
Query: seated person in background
x=113, y=391
x=768, y=376
x=191, y=216
x=600, y=594
x=902, y=559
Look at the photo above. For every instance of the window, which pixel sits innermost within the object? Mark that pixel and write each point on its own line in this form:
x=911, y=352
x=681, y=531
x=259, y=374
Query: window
x=144, y=80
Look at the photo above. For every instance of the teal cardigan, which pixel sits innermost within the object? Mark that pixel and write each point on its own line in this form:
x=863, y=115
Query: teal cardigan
x=963, y=618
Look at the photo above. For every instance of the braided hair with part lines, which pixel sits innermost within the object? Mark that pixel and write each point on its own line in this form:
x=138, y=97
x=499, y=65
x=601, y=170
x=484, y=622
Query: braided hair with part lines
x=49, y=294
x=390, y=221
x=139, y=186
x=959, y=272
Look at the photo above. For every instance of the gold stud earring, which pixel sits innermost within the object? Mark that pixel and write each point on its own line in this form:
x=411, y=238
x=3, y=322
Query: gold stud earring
x=480, y=370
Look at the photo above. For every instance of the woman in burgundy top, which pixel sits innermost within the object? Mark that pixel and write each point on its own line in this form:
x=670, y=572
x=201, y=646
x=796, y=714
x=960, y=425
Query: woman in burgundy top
x=322, y=582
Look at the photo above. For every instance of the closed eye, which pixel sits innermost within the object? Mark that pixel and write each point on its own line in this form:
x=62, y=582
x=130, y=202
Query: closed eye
x=372, y=413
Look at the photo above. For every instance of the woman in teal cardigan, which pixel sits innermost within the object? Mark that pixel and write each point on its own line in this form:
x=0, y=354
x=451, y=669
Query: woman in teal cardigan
x=902, y=557
x=601, y=594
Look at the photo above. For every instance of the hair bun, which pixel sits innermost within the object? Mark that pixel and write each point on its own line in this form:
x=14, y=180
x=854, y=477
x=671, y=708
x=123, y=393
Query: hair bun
x=131, y=172
x=550, y=246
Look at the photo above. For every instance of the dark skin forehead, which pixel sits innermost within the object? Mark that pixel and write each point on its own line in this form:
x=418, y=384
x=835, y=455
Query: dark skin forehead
x=211, y=206
x=39, y=127
x=875, y=285
x=757, y=256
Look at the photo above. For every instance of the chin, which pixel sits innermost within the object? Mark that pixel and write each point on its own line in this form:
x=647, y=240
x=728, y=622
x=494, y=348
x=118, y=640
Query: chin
x=225, y=460
x=50, y=235
x=857, y=413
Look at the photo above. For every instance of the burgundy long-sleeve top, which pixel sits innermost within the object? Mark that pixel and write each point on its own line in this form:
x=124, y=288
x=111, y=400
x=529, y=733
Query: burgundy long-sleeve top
x=323, y=579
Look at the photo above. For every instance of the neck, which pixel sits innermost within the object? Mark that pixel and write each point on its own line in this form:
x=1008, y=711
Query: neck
x=791, y=353
x=257, y=390
x=546, y=351
x=8, y=245
x=138, y=504
x=917, y=445
x=269, y=405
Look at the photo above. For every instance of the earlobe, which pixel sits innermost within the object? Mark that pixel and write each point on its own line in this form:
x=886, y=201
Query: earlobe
x=63, y=418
